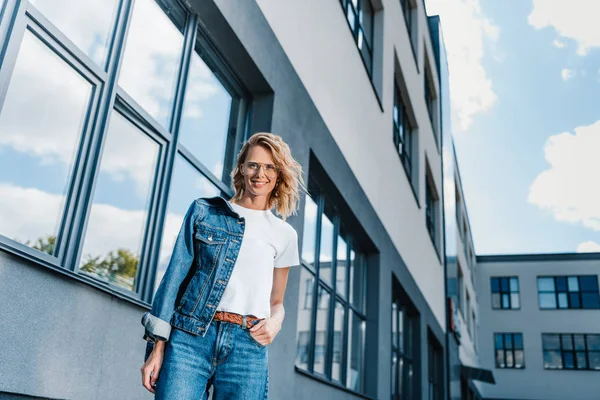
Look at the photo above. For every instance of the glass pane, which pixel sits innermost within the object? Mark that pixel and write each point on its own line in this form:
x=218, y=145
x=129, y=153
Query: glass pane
x=338, y=335
x=356, y=349
x=322, y=331
x=546, y=284
x=505, y=301
x=552, y=360
x=579, y=342
x=117, y=221
x=581, y=360
x=508, y=343
x=504, y=284
x=590, y=300
x=547, y=300
x=151, y=60
x=88, y=23
x=573, y=284
x=569, y=360
x=514, y=284
x=205, y=119
x=594, y=358
x=588, y=283
x=593, y=342
x=304, y=316
x=567, y=342
x=39, y=137
x=400, y=379
x=499, y=341
x=309, y=232
x=401, y=333
x=561, y=284
x=574, y=300
x=187, y=184
x=394, y=325
x=562, y=300
x=500, y=362
x=357, y=281
x=495, y=284
x=519, y=359
x=495, y=300
x=514, y=300
x=518, y=340
x=551, y=342
x=326, y=251
x=340, y=283
x=351, y=17
x=509, y=359
x=394, y=374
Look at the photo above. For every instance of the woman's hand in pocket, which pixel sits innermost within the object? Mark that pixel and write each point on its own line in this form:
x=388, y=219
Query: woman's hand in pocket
x=264, y=331
x=151, y=368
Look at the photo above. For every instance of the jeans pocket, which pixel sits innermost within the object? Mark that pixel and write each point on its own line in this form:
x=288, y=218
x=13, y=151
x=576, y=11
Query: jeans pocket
x=256, y=342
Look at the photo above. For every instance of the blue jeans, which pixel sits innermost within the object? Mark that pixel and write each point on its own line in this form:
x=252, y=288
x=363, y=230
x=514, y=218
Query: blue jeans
x=227, y=358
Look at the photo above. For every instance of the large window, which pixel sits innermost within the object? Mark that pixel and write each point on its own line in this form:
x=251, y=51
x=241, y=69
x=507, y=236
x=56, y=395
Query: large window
x=331, y=320
x=436, y=370
x=571, y=351
x=405, y=345
x=359, y=14
x=564, y=292
x=403, y=133
x=505, y=293
x=509, y=350
x=147, y=120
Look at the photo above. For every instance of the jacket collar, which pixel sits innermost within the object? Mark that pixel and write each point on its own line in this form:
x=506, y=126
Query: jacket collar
x=222, y=202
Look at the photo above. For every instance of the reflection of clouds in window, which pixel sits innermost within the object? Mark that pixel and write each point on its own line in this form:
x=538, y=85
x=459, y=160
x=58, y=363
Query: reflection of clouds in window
x=121, y=131
x=151, y=60
x=37, y=131
x=187, y=184
x=87, y=23
x=309, y=231
x=206, y=112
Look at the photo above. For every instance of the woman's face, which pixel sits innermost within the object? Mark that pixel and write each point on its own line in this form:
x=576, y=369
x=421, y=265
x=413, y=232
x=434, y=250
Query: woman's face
x=260, y=172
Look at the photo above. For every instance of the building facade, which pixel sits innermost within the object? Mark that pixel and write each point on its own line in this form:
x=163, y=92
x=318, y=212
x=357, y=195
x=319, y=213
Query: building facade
x=115, y=115
x=540, y=328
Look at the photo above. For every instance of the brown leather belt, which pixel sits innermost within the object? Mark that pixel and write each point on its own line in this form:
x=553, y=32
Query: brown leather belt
x=235, y=318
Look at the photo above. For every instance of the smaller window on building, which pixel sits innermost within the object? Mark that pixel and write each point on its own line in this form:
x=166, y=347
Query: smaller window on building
x=568, y=292
x=436, y=370
x=430, y=96
x=431, y=209
x=403, y=133
x=405, y=347
x=509, y=350
x=505, y=293
x=359, y=14
x=468, y=313
x=409, y=10
x=571, y=351
x=460, y=285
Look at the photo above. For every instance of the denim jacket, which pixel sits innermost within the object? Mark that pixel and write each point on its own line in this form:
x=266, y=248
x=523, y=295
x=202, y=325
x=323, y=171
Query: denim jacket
x=201, y=264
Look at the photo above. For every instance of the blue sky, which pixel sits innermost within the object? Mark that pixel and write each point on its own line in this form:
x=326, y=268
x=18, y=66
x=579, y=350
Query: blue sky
x=525, y=85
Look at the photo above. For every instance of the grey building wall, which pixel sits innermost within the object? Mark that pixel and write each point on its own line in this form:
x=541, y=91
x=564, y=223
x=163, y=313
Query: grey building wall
x=534, y=382
x=64, y=338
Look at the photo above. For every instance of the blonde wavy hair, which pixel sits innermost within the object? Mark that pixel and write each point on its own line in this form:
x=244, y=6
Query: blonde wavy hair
x=285, y=195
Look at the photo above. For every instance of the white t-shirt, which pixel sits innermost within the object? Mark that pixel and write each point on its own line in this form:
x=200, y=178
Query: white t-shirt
x=269, y=242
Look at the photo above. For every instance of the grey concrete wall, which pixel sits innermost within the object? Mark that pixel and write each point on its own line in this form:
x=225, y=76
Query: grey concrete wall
x=534, y=382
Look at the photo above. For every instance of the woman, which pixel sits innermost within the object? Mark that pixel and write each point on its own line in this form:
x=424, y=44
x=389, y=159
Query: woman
x=222, y=292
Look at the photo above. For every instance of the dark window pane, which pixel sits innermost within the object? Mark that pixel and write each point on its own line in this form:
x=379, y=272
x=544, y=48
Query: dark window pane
x=567, y=342
x=588, y=283
x=579, y=342
x=574, y=300
x=593, y=342
x=569, y=360
x=496, y=300
x=504, y=286
x=322, y=331
x=40, y=128
x=551, y=342
x=590, y=300
x=552, y=360
x=495, y=285
x=500, y=362
x=518, y=341
x=519, y=359
x=499, y=341
x=508, y=343
x=547, y=300
x=546, y=284
x=581, y=360
x=338, y=334
x=121, y=202
x=356, y=349
x=309, y=232
x=594, y=358
x=304, y=317
x=561, y=284
x=562, y=300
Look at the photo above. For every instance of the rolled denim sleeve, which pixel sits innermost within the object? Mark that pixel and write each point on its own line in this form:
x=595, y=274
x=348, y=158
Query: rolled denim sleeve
x=157, y=322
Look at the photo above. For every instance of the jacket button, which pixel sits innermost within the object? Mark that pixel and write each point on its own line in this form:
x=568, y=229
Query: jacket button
x=210, y=238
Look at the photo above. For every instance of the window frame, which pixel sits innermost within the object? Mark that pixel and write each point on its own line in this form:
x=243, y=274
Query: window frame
x=513, y=349
x=108, y=97
x=358, y=27
x=568, y=292
x=325, y=206
x=411, y=21
x=574, y=352
x=432, y=208
x=501, y=292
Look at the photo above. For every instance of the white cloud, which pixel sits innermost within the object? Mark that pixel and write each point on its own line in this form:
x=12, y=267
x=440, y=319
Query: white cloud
x=567, y=74
x=574, y=19
x=559, y=44
x=568, y=188
x=588, y=247
x=465, y=28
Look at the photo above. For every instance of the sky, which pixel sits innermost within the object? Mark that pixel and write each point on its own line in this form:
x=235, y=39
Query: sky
x=525, y=90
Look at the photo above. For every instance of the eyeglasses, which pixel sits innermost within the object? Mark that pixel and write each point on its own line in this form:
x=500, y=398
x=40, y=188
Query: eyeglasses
x=252, y=168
